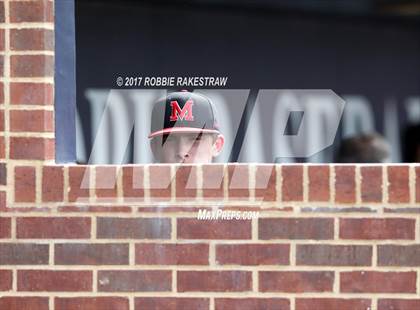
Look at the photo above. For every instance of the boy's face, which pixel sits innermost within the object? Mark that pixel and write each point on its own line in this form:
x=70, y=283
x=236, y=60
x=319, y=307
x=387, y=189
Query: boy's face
x=187, y=148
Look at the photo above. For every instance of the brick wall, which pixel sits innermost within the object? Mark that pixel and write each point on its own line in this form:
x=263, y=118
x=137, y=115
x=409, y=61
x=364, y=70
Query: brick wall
x=112, y=237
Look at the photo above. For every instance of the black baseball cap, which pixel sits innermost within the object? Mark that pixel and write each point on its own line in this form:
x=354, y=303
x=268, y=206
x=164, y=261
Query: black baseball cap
x=183, y=112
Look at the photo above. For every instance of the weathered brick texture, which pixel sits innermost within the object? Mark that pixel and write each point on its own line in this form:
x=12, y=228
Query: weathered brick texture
x=24, y=254
x=253, y=254
x=31, y=94
x=135, y=228
x=319, y=183
x=345, y=184
x=333, y=255
x=389, y=228
x=31, y=121
x=214, y=281
x=377, y=282
x=54, y=281
x=252, y=303
x=117, y=303
x=171, y=303
x=296, y=281
x=5, y=280
x=296, y=228
x=371, y=186
x=91, y=254
x=222, y=229
x=24, y=303
x=172, y=254
x=332, y=303
x=53, y=227
x=134, y=281
x=292, y=183
x=5, y=225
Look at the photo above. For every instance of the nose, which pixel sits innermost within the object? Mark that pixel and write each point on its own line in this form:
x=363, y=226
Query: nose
x=183, y=150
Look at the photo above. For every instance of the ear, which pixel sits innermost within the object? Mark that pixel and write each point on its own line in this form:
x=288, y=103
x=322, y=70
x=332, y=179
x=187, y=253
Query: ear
x=218, y=145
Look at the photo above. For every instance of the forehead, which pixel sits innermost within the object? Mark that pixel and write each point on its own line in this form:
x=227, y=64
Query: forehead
x=179, y=137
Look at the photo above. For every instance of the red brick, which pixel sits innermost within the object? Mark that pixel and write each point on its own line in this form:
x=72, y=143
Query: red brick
x=25, y=181
x=171, y=303
x=388, y=228
x=3, y=174
x=319, y=183
x=3, y=203
x=54, y=281
x=5, y=225
x=91, y=254
x=252, y=254
x=31, y=39
x=79, y=183
x=371, y=188
x=186, y=182
x=95, y=209
x=296, y=228
x=31, y=11
x=377, y=282
x=1, y=65
x=1, y=120
x=213, y=181
x=23, y=254
x=2, y=148
x=398, y=304
x=53, y=227
x=31, y=93
x=265, y=183
x=2, y=17
x=398, y=189
x=133, y=183
x=32, y=66
x=24, y=303
x=31, y=148
x=191, y=228
x=135, y=228
x=1, y=91
x=238, y=181
x=52, y=183
x=26, y=209
x=332, y=303
x=399, y=255
x=5, y=280
x=91, y=303
x=417, y=184
x=106, y=182
x=31, y=121
x=333, y=255
x=134, y=281
x=214, y=281
x=345, y=184
x=252, y=304
x=292, y=184
x=296, y=281
x=160, y=182
x=170, y=209
x=2, y=41
x=172, y=254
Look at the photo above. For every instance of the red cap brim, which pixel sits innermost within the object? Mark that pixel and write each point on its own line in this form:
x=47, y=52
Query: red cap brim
x=181, y=130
